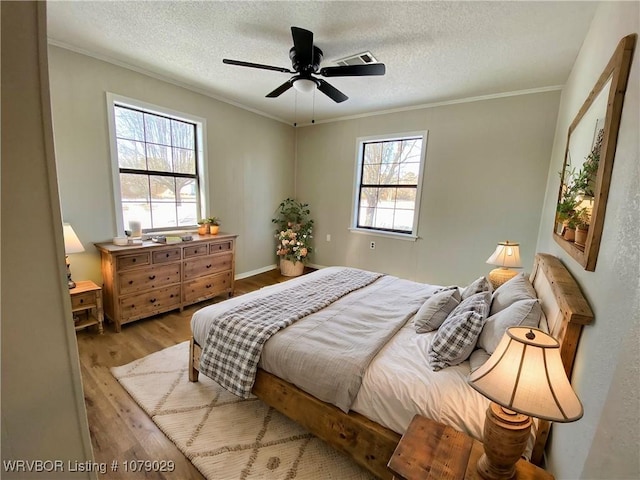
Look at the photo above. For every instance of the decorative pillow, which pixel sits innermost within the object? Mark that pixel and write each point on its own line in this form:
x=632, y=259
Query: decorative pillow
x=436, y=309
x=457, y=337
x=477, y=286
x=517, y=288
x=526, y=313
x=477, y=358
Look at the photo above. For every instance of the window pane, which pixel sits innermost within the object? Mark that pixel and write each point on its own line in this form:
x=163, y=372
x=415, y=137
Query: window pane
x=369, y=197
x=157, y=129
x=159, y=158
x=409, y=173
x=134, y=188
x=182, y=134
x=131, y=154
x=187, y=213
x=163, y=189
x=186, y=190
x=184, y=161
x=384, y=218
x=406, y=198
x=129, y=124
x=164, y=215
x=403, y=220
x=367, y=217
x=371, y=174
x=389, y=174
x=387, y=198
x=372, y=153
x=139, y=212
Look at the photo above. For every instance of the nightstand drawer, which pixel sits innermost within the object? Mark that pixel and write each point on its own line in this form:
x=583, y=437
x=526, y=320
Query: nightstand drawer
x=134, y=260
x=82, y=301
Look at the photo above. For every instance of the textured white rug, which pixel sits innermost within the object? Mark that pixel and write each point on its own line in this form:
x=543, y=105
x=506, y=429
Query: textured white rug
x=225, y=437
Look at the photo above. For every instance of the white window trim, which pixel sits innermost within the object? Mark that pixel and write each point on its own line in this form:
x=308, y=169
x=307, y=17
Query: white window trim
x=413, y=236
x=201, y=128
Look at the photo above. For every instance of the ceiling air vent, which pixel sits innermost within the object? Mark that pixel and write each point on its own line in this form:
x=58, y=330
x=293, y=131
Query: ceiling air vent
x=359, y=59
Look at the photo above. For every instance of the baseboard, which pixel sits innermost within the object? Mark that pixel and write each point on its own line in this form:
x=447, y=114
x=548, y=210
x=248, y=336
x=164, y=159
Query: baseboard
x=316, y=266
x=251, y=273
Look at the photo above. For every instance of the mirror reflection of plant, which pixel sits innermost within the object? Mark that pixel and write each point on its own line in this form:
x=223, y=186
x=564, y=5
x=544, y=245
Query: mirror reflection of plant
x=294, y=230
x=584, y=181
x=582, y=218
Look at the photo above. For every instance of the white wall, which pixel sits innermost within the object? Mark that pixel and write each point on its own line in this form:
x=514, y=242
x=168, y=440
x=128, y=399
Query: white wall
x=43, y=412
x=250, y=157
x=605, y=443
x=484, y=182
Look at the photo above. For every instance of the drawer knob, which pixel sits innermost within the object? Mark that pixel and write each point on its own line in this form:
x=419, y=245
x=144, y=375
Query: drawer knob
x=152, y=277
x=152, y=300
x=167, y=255
x=209, y=266
x=82, y=300
x=208, y=285
x=133, y=261
x=130, y=282
x=171, y=296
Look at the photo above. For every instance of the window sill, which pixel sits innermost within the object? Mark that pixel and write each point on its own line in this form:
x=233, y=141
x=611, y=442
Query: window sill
x=380, y=233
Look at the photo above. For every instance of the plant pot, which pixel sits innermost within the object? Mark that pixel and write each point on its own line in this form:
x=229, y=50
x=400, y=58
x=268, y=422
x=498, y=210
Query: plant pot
x=570, y=234
x=214, y=229
x=291, y=269
x=581, y=236
x=203, y=229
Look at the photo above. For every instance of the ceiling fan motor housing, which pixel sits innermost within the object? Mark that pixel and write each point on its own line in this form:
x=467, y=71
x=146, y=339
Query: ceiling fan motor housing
x=305, y=70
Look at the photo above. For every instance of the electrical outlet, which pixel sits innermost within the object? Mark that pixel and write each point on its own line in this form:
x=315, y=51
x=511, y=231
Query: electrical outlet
x=372, y=245
x=328, y=237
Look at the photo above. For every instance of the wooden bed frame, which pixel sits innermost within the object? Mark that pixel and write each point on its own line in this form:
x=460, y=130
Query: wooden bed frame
x=370, y=444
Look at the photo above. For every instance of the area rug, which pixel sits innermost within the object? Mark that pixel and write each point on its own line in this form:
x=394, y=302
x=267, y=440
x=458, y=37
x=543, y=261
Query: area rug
x=224, y=436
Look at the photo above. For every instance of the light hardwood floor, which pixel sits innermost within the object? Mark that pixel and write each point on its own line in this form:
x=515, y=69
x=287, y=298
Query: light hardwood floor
x=120, y=430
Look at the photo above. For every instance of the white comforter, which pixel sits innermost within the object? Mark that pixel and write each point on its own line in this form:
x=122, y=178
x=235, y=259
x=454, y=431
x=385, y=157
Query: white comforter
x=398, y=382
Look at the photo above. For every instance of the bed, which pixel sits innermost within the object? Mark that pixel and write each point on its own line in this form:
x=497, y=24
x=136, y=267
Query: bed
x=397, y=382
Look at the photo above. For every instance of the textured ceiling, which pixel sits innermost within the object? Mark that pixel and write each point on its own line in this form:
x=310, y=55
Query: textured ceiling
x=433, y=51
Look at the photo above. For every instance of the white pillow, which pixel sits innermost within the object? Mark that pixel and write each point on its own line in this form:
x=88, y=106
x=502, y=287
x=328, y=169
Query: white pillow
x=479, y=285
x=436, y=309
x=517, y=288
x=457, y=337
x=477, y=358
x=526, y=313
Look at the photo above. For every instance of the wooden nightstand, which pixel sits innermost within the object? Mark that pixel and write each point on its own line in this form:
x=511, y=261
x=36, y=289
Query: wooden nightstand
x=431, y=450
x=86, y=305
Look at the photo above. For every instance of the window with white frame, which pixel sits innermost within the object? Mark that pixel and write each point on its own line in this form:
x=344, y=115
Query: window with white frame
x=388, y=180
x=157, y=157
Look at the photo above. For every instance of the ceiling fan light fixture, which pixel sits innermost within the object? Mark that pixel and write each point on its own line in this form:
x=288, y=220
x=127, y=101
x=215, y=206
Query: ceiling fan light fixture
x=304, y=85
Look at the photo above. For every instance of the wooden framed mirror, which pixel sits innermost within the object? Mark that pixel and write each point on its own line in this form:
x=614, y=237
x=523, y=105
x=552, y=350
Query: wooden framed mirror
x=588, y=162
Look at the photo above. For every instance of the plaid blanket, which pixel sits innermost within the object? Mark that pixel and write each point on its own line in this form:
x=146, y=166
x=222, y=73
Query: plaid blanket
x=231, y=353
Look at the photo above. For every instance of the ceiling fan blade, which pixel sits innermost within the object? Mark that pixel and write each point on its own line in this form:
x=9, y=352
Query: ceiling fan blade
x=353, y=70
x=255, y=65
x=330, y=91
x=303, y=44
x=281, y=89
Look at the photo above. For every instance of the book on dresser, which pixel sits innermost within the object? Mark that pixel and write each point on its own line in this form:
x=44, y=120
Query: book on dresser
x=144, y=280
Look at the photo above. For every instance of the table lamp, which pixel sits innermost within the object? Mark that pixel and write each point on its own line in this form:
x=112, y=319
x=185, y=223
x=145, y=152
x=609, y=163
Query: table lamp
x=72, y=244
x=524, y=377
x=506, y=257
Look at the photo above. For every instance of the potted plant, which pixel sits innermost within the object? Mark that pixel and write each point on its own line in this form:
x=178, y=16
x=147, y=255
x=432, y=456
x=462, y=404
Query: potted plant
x=570, y=228
x=214, y=225
x=294, y=229
x=582, y=219
x=203, y=226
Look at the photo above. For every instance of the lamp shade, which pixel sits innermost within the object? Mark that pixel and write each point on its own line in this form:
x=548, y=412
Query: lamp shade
x=525, y=374
x=72, y=243
x=507, y=254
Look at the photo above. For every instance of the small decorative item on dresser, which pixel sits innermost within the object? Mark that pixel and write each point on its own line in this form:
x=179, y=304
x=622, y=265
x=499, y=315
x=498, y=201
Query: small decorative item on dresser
x=214, y=225
x=506, y=257
x=203, y=226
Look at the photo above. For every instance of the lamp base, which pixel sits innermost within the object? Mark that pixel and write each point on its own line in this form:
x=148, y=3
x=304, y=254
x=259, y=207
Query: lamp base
x=70, y=281
x=505, y=438
x=500, y=275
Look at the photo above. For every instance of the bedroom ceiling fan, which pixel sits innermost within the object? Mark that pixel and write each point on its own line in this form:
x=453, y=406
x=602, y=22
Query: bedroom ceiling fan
x=305, y=60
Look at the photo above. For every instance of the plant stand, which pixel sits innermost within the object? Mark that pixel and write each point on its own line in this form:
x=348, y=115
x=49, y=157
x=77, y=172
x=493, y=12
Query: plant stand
x=291, y=269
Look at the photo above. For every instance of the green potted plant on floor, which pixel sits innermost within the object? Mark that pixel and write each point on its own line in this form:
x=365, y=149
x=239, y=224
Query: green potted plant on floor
x=294, y=229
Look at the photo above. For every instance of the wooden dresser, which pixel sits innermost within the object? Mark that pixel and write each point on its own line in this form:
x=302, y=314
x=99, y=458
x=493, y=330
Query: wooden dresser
x=144, y=280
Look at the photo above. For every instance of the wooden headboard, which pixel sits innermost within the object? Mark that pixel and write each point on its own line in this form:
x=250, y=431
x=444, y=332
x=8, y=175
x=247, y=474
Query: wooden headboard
x=566, y=311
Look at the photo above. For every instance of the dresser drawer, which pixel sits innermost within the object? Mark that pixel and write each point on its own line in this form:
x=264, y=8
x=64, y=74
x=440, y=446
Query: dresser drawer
x=145, y=304
x=218, y=247
x=147, y=278
x=199, y=267
x=81, y=301
x=134, y=260
x=196, y=250
x=206, y=287
x=169, y=255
